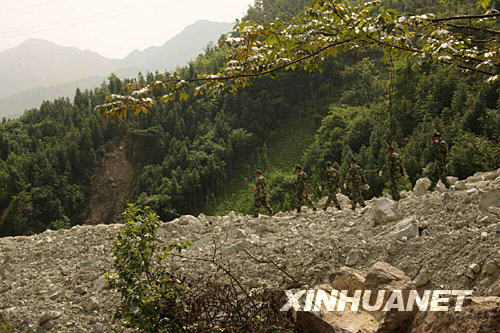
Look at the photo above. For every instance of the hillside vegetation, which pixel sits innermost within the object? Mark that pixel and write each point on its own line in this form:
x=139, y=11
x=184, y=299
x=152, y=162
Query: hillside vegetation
x=200, y=154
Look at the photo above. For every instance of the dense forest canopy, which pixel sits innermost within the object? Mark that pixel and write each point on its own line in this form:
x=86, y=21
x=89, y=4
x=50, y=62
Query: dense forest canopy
x=198, y=153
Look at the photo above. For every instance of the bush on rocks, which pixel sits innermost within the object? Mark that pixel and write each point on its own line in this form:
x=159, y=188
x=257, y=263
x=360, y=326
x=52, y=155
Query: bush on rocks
x=155, y=300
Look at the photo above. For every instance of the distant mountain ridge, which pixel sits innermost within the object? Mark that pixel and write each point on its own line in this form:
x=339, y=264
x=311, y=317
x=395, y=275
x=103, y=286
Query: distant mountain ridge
x=186, y=45
x=40, y=70
x=39, y=63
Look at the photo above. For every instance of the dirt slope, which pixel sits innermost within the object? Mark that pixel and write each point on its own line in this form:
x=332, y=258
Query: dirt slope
x=113, y=185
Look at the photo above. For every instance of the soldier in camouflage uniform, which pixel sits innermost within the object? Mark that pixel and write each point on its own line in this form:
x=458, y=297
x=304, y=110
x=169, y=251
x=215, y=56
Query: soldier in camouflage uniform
x=331, y=180
x=394, y=168
x=260, y=195
x=441, y=154
x=356, y=181
x=302, y=189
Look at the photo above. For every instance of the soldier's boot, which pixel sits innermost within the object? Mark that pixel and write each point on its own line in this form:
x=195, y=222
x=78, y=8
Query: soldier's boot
x=445, y=182
x=338, y=207
x=362, y=204
x=309, y=201
x=255, y=215
x=270, y=210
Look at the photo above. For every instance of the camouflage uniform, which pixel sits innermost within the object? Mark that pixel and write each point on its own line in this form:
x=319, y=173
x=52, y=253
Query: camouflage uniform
x=440, y=170
x=331, y=179
x=394, y=168
x=260, y=197
x=356, y=180
x=301, y=193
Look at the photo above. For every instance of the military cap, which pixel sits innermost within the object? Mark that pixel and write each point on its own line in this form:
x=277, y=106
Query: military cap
x=328, y=163
x=298, y=166
x=259, y=172
x=437, y=135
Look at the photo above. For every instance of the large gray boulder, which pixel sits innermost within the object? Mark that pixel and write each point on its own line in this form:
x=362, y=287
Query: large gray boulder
x=452, y=180
x=383, y=211
x=421, y=186
x=406, y=228
x=490, y=199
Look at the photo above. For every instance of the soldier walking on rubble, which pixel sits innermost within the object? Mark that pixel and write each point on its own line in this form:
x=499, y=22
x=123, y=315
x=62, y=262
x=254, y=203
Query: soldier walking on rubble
x=260, y=194
x=331, y=179
x=302, y=189
x=356, y=181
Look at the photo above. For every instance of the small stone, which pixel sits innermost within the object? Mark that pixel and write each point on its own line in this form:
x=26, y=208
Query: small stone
x=202, y=217
x=240, y=233
x=98, y=328
x=238, y=247
x=472, y=192
x=352, y=259
x=217, y=229
x=475, y=268
x=4, y=287
x=421, y=279
x=490, y=268
x=80, y=290
x=47, y=316
x=486, y=219
x=91, y=304
x=445, y=196
x=101, y=284
x=460, y=186
x=469, y=273
x=484, y=235
x=440, y=187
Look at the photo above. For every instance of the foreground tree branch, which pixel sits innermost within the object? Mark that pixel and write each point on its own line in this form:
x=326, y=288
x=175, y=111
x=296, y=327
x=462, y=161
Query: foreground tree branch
x=325, y=29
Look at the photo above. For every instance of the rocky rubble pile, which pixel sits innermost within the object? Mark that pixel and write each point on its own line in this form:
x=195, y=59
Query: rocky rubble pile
x=447, y=239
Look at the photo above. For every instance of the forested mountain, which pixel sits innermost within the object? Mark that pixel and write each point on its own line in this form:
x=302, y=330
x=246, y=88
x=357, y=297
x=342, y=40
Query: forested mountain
x=200, y=154
x=40, y=70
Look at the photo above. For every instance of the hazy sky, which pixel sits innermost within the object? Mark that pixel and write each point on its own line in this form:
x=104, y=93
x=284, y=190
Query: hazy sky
x=112, y=28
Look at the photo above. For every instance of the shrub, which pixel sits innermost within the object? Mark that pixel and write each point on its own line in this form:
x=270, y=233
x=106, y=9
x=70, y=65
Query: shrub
x=153, y=299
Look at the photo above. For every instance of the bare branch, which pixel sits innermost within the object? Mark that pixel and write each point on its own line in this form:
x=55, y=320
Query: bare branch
x=269, y=261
